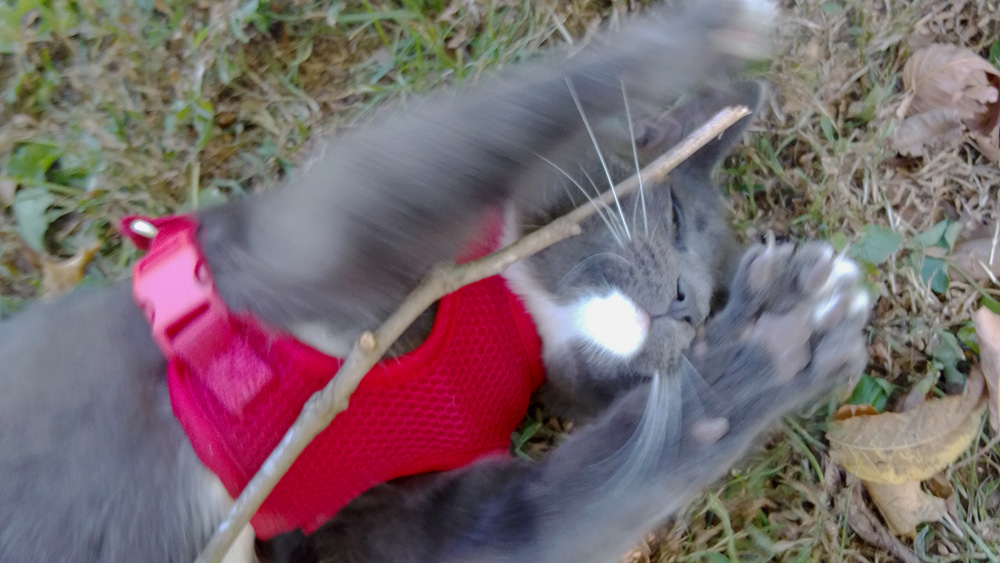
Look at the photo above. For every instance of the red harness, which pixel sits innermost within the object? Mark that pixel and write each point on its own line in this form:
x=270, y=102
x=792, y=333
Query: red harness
x=237, y=385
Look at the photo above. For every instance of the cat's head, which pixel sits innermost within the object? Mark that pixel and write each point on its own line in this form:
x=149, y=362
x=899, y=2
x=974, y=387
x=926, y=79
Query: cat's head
x=622, y=300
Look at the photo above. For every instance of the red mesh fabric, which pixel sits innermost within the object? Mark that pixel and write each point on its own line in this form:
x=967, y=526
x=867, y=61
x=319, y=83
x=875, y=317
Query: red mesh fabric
x=453, y=400
x=237, y=386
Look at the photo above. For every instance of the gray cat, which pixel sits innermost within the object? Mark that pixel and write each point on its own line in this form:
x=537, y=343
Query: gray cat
x=94, y=467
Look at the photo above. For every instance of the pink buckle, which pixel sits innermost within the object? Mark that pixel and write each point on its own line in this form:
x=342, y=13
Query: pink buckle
x=174, y=289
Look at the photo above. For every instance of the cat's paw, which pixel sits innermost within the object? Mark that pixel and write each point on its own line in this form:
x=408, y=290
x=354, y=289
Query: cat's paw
x=793, y=325
x=740, y=28
x=743, y=29
x=748, y=32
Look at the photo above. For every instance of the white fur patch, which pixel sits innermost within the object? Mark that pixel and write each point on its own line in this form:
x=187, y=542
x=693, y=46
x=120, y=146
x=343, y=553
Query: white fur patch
x=613, y=322
x=553, y=322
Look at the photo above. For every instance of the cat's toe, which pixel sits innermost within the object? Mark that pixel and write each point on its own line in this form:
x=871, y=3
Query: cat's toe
x=840, y=295
x=838, y=314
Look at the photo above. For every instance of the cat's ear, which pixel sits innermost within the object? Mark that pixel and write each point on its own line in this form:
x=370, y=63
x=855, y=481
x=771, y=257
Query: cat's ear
x=656, y=136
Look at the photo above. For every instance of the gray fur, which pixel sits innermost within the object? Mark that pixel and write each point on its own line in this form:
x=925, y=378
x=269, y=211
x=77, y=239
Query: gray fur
x=95, y=468
x=577, y=504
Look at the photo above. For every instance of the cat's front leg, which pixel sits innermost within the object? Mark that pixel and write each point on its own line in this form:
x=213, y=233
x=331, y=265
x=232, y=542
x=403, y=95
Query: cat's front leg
x=792, y=329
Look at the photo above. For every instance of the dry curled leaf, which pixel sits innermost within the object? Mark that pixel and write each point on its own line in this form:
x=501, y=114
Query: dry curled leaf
x=908, y=446
x=865, y=524
x=943, y=76
x=949, y=76
x=893, y=452
x=919, y=134
x=940, y=487
x=62, y=276
x=988, y=330
x=979, y=258
x=905, y=505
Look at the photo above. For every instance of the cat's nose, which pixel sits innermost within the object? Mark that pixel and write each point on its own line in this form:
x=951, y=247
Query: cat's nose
x=683, y=307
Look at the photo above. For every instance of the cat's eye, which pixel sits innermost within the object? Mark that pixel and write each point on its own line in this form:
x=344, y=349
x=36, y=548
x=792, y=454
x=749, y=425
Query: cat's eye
x=676, y=218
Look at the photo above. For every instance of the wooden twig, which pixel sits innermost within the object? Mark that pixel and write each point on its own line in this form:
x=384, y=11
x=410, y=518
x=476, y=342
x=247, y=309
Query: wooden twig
x=333, y=399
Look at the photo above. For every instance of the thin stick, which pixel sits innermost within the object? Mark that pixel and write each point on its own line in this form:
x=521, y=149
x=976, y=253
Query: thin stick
x=333, y=399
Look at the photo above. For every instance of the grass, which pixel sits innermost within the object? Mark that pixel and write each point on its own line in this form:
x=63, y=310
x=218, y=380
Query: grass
x=111, y=108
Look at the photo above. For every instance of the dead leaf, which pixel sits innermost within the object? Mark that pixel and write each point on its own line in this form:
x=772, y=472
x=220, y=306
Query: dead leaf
x=949, y=76
x=974, y=256
x=940, y=487
x=941, y=76
x=988, y=330
x=918, y=134
x=988, y=144
x=986, y=122
x=850, y=411
x=905, y=505
x=62, y=276
x=865, y=524
x=908, y=446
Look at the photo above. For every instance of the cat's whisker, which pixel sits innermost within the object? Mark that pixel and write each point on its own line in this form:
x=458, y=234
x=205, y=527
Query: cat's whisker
x=638, y=171
x=676, y=414
x=600, y=207
x=600, y=155
x=569, y=194
x=657, y=427
x=702, y=388
x=656, y=226
x=620, y=233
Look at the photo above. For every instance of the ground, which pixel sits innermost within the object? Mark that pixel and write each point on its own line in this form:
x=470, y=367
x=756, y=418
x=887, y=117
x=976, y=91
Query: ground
x=110, y=108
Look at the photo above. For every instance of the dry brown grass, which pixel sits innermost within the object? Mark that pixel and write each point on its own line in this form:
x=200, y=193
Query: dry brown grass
x=160, y=106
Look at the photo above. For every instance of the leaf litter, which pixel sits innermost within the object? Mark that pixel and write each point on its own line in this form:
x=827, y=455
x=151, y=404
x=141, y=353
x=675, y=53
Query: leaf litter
x=952, y=92
x=892, y=453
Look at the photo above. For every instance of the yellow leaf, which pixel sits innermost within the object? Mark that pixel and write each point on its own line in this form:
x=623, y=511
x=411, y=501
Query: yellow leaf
x=912, y=445
x=60, y=277
x=905, y=505
x=988, y=330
